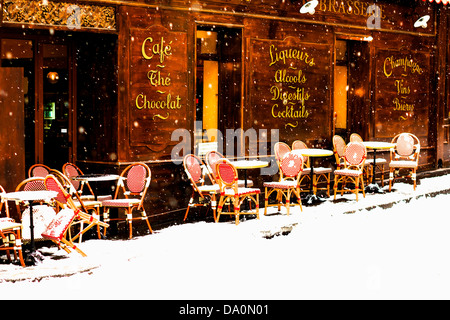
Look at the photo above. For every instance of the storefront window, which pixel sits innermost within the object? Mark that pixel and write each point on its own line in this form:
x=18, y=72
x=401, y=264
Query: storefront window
x=218, y=82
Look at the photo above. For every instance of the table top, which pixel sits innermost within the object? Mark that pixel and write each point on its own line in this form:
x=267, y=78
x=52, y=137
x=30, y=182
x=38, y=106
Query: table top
x=313, y=152
x=249, y=164
x=378, y=145
x=30, y=195
x=96, y=177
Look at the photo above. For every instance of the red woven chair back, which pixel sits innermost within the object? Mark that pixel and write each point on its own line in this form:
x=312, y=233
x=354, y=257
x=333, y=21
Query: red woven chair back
x=281, y=149
x=354, y=137
x=192, y=165
x=38, y=170
x=58, y=226
x=355, y=153
x=339, y=145
x=212, y=158
x=70, y=170
x=291, y=165
x=52, y=184
x=32, y=184
x=298, y=145
x=405, y=144
x=136, y=178
x=226, y=172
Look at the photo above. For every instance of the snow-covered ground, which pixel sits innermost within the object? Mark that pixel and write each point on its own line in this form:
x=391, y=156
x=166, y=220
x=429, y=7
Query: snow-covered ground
x=335, y=250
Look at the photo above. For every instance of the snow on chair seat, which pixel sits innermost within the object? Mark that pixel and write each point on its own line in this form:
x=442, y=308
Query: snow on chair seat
x=57, y=228
x=355, y=155
x=131, y=189
x=291, y=167
x=230, y=191
x=405, y=155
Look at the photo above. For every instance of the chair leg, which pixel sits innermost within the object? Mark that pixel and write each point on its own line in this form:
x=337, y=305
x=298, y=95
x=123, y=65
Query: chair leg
x=105, y=218
x=362, y=188
x=335, y=186
x=129, y=218
x=236, y=210
x=288, y=201
x=213, y=205
x=257, y=206
x=73, y=246
x=328, y=184
x=219, y=207
x=266, y=201
x=191, y=201
x=18, y=248
x=391, y=178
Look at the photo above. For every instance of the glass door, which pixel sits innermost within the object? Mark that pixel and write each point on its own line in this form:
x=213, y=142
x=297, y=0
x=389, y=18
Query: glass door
x=55, y=104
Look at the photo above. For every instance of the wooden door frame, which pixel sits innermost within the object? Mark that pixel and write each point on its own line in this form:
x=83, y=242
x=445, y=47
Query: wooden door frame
x=39, y=98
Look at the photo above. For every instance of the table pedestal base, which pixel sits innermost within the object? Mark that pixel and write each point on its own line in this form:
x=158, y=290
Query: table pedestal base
x=33, y=258
x=373, y=188
x=311, y=199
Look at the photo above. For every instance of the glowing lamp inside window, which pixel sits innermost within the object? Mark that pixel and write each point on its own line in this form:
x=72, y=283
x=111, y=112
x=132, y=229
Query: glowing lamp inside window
x=53, y=77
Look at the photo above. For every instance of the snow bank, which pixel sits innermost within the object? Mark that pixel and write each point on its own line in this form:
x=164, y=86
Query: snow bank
x=335, y=250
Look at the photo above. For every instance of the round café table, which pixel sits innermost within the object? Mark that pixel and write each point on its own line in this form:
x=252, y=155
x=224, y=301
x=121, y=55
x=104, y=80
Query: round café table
x=44, y=195
x=96, y=177
x=248, y=164
x=245, y=165
x=311, y=198
x=376, y=145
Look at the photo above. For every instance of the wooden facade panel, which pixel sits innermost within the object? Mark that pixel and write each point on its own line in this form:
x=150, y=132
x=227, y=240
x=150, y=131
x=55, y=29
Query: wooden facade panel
x=12, y=144
x=402, y=102
x=290, y=88
x=158, y=89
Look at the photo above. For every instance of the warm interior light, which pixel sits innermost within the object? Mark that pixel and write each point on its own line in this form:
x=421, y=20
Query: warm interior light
x=309, y=7
x=53, y=77
x=422, y=22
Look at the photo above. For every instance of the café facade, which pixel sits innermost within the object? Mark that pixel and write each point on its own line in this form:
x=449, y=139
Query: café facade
x=109, y=82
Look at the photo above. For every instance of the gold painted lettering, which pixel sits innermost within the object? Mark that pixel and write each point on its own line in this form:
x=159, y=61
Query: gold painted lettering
x=144, y=54
x=400, y=88
x=357, y=10
x=161, y=49
x=156, y=79
x=166, y=103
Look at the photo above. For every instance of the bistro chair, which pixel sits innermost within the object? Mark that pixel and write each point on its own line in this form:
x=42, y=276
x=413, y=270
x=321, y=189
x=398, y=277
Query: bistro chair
x=64, y=200
x=291, y=167
x=405, y=155
x=10, y=233
x=71, y=171
x=354, y=157
x=30, y=184
x=42, y=213
x=57, y=229
x=319, y=172
x=338, y=149
x=230, y=191
x=86, y=205
x=281, y=149
x=130, y=193
x=206, y=193
x=38, y=170
x=211, y=159
x=380, y=162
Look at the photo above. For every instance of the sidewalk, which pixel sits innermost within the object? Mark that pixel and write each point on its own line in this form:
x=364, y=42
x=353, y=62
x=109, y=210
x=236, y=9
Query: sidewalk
x=59, y=264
